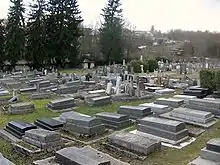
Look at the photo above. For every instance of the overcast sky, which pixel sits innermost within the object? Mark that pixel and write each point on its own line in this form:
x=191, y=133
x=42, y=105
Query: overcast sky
x=163, y=14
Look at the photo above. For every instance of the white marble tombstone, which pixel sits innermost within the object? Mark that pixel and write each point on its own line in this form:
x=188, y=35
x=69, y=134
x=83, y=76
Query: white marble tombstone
x=142, y=68
x=124, y=63
x=141, y=59
x=118, y=84
x=109, y=88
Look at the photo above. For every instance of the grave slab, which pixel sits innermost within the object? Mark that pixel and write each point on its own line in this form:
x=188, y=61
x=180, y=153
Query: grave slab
x=135, y=143
x=170, y=102
x=156, y=108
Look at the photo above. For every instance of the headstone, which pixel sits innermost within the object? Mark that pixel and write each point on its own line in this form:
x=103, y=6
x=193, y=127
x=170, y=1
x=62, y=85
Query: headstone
x=118, y=85
x=165, y=91
x=212, y=106
x=142, y=68
x=102, y=100
x=135, y=143
x=21, y=108
x=61, y=104
x=173, y=132
x=135, y=112
x=109, y=88
x=114, y=120
x=156, y=108
x=18, y=128
x=49, y=124
x=84, y=125
x=186, y=98
x=210, y=155
x=191, y=116
x=170, y=102
x=43, y=139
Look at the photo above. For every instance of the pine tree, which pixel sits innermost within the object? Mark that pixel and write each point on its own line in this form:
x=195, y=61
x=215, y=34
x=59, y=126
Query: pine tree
x=64, y=31
x=111, y=32
x=36, y=34
x=15, y=35
x=2, y=42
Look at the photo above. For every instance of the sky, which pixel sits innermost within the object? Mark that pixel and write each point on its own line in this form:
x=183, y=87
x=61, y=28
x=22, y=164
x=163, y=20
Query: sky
x=163, y=14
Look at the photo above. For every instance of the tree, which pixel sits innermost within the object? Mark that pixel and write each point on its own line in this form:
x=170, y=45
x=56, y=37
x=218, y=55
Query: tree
x=2, y=42
x=63, y=29
x=15, y=38
x=111, y=32
x=36, y=34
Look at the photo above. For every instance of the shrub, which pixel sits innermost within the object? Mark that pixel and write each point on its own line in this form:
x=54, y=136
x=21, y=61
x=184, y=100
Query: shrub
x=153, y=65
x=210, y=78
x=136, y=65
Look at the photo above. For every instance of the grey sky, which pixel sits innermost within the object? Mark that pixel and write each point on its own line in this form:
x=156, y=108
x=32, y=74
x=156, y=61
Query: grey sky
x=164, y=14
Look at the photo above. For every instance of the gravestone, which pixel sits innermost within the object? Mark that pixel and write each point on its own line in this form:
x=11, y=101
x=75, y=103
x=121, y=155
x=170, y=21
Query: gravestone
x=102, y=100
x=4, y=161
x=49, y=124
x=43, y=139
x=186, y=98
x=135, y=112
x=212, y=106
x=156, y=108
x=36, y=96
x=173, y=132
x=43, y=84
x=191, y=116
x=18, y=128
x=84, y=125
x=61, y=104
x=114, y=120
x=210, y=155
x=165, y=91
x=170, y=102
x=82, y=156
x=135, y=143
x=67, y=89
x=21, y=108
x=28, y=90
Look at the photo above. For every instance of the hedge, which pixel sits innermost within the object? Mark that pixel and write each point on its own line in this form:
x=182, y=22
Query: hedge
x=210, y=78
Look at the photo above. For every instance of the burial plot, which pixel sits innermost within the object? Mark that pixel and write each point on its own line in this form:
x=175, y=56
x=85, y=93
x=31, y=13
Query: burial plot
x=28, y=90
x=4, y=161
x=135, y=143
x=61, y=104
x=135, y=112
x=44, y=84
x=169, y=131
x=212, y=106
x=21, y=108
x=102, y=100
x=210, y=155
x=156, y=108
x=114, y=120
x=38, y=96
x=66, y=89
x=84, y=125
x=68, y=115
x=49, y=124
x=80, y=156
x=102, y=92
x=197, y=91
x=170, y=102
x=186, y=98
x=43, y=139
x=4, y=93
x=165, y=91
x=191, y=116
x=18, y=128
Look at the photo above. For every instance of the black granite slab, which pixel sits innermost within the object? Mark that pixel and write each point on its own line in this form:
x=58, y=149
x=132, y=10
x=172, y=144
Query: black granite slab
x=50, y=122
x=21, y=126
x=213, y=145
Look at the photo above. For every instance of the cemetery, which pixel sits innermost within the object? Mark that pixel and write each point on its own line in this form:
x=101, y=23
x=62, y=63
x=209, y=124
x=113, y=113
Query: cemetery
x=114, y=118
x=117, y=117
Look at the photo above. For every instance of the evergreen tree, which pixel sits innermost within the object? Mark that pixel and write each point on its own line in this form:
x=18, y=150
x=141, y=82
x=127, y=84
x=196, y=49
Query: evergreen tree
x=36, y=34
x=63, y=31
x=111, y=32
x=15, y=36
x=2, y=42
